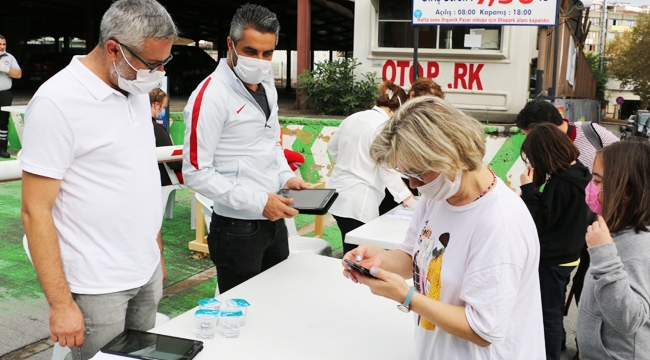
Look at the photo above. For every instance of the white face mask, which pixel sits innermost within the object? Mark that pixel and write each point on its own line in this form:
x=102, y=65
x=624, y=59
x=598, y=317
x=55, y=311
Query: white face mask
x=251, y=70
x=144, y=82
x=441, y=188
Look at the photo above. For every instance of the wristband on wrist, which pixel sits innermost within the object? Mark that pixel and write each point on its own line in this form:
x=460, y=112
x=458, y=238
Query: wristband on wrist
x=406, y=305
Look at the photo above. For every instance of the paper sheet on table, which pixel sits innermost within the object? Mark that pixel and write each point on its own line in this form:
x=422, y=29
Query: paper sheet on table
x=403, y=213
x=104, y=356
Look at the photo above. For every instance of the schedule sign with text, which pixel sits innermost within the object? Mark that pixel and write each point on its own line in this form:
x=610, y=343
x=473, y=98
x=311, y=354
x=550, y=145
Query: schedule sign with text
x=484, y=12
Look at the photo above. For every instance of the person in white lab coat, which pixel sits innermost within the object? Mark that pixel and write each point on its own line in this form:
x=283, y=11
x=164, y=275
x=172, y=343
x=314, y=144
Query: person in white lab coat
x=358, y=180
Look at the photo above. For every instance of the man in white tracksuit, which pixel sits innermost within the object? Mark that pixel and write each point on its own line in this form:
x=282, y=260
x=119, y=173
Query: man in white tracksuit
x=233, y=156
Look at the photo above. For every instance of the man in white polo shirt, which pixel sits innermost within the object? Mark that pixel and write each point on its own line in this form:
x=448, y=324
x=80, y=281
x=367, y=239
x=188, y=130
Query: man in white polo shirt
x=91, y=188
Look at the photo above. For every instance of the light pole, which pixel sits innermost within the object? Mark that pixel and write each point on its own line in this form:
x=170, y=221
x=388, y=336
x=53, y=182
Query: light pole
x=603, y=35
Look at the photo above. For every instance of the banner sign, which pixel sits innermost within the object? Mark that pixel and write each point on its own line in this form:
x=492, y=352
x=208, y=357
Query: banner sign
x=485, y=12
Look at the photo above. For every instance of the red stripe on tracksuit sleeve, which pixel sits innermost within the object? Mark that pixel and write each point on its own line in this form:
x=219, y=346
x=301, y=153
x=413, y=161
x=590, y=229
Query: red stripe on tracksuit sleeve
x=196, y=111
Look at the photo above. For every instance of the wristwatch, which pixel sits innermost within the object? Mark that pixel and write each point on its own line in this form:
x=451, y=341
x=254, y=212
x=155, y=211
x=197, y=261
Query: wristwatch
x=404, y=307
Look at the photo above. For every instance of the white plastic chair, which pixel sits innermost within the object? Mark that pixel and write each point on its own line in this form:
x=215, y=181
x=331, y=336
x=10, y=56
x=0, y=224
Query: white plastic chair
x=169, y=193
x=206, y=209
x=206, y=212
x=298, y=244
x=60, y=352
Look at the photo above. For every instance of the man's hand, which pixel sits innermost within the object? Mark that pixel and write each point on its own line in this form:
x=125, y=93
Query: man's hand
x=296, y=183
x=598, y=233
x=4, y=68
x=527, y=176
x=277, y=207
x=67, y=325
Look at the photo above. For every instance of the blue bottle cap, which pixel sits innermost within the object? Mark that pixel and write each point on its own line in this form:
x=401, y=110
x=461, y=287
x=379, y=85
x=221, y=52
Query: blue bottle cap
x=224, y=313
x=209, y=301
x=237, y=302
x=206, y=313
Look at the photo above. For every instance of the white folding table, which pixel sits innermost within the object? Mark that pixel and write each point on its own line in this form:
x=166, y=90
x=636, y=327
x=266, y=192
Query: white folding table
x=385, y=231
x=303, y=308
x=19, y=109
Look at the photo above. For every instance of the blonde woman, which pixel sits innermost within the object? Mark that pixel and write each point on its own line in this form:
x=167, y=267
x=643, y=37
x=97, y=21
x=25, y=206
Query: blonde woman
x=471, y=249
x=358, y=180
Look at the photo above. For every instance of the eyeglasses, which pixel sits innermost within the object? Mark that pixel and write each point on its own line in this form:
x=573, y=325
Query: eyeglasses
x=151, y=67
x=414, y=176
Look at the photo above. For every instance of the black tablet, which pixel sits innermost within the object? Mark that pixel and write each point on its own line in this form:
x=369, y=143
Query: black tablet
x=144, y=345
x=311, y=201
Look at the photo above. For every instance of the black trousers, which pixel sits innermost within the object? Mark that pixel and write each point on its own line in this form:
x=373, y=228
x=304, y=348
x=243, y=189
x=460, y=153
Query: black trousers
x=5, y=100
x=241, y=249
x=552, y=282
x=346, y=225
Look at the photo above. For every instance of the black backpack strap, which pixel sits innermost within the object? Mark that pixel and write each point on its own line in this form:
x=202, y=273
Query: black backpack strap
x=592, y=136
x=569, y=130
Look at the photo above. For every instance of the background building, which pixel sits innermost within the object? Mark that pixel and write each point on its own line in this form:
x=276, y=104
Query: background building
x=618, y=18
x=493, y=81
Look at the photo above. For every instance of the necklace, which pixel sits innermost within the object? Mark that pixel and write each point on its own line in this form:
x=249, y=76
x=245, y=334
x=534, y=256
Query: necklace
x=494, y=182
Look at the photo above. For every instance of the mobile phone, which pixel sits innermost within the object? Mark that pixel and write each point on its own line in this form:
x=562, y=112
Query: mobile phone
x=359, y=268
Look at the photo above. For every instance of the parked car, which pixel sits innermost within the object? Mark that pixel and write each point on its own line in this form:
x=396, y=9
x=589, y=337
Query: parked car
x=628, y=127
x=188, y=68
x=41, y=66
x=638, y=126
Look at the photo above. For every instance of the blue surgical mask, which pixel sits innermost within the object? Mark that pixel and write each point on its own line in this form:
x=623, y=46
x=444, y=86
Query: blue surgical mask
x=161, y=115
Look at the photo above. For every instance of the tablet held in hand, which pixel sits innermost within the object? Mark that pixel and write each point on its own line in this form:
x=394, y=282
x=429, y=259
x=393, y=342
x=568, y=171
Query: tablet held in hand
x=311, y=201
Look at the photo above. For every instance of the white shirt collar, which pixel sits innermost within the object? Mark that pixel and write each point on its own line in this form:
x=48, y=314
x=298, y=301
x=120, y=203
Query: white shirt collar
x=96, y=86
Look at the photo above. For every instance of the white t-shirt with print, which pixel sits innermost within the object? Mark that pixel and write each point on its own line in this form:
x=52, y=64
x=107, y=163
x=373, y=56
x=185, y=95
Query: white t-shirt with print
x=483, y=256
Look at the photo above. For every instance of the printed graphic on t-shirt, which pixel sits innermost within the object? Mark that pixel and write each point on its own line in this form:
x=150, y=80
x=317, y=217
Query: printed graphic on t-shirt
x=427, y=264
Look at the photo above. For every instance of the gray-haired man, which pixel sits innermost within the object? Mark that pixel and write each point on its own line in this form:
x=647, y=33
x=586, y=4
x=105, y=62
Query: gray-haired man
x=91, y=191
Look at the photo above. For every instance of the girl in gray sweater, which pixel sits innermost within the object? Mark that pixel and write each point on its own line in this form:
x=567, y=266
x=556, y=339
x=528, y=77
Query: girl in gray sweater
x=615, y=305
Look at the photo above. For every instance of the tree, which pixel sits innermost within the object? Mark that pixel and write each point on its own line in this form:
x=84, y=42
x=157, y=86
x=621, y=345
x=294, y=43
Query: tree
x=627, y=58
x=332, y=89
x=600, y=74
